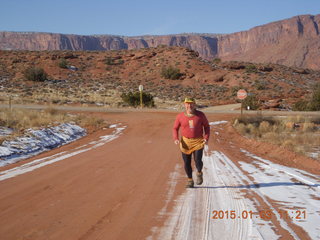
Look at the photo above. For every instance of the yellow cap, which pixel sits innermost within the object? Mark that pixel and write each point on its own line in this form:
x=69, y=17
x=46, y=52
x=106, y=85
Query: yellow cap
x=189, y=100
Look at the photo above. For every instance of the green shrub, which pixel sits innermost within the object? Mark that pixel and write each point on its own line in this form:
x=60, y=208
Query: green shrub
x=252, y=102
x=315, y=100
x=63, y=63
x=35, y=74
x=260, y=85
x=235, y=89
x=112, y=61
x=251, y=68
x=109, y=61
x=133, y=99
x=309, y=105
x=216, y=60
x=301, y=105
x=171, y=73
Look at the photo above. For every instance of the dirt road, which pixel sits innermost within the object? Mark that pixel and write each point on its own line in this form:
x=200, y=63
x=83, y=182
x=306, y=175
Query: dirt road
x=129, y=184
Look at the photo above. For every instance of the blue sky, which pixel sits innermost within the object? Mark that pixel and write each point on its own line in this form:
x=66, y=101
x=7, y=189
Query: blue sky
x=142, y=17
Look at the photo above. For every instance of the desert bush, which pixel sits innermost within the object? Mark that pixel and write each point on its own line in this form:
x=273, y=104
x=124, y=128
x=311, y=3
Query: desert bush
x=216, y=60
x=251, y=68
x=252, y=102
x=35, y=74
x=171, y=73
x=63, y=63
x=312, y=104
x=113, y=61
x=234, y=90
x=301, y=105
x=109, y=61
x=315, y=100
x=133, y=99
x=260, y=85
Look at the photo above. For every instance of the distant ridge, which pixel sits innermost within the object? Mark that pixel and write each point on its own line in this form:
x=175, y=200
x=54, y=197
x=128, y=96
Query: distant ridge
x=292, y=42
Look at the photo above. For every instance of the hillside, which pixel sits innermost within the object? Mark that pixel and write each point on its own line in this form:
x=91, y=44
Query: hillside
x=291, y=42
x=99, y=77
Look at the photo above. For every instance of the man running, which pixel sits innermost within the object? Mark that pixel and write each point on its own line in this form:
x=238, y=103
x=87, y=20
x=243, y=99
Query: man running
x=195, y=132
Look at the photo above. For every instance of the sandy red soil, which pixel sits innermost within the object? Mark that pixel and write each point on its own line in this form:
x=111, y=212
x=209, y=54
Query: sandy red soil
x=112, y=192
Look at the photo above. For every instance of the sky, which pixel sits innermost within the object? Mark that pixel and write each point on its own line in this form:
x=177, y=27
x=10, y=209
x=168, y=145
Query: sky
x=147, y=17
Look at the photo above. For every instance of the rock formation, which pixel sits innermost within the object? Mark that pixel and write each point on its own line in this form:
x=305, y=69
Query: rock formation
x=291, y=42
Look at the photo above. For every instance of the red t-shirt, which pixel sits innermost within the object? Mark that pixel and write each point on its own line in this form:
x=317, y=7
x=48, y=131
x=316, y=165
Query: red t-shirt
x=191, y=127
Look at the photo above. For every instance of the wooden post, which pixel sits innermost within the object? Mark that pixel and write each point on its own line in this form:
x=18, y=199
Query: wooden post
x=10, y=105
x=141, y=89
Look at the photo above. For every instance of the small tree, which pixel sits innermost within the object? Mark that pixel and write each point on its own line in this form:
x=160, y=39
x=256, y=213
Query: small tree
x=312, y=104
x=315, y=100
x=251, y=68
x=109, y=61
x=63, y=63
x=171, y=73
x=216, y=60
x=133, y=99
x=301, y=105
x=252, y=102
x=35, y=74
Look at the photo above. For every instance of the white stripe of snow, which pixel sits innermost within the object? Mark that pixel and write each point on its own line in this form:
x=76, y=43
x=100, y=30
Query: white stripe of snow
x=191, y=217
x=217, y=123
x=277, y=183
x=28, y=167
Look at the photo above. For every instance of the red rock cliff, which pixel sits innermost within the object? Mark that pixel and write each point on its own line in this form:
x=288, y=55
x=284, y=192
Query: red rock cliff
x=292, y=42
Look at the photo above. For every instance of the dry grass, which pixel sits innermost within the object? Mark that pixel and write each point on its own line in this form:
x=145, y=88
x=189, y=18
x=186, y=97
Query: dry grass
x=65, y=96
x=22, y=119
x=300, y=134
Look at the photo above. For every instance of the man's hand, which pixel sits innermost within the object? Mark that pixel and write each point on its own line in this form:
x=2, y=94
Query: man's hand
x=205, y=141
x=176, y=142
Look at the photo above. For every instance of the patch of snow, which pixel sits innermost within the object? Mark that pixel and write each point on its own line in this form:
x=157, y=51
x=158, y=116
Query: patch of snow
x=292, y=189
x=37, y=141
x=217, y=123
x=38, y=163
x=297, y=191
x=4, y=131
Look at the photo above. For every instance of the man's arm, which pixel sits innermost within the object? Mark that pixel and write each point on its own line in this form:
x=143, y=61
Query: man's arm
x=206, y=128
x=175, y=130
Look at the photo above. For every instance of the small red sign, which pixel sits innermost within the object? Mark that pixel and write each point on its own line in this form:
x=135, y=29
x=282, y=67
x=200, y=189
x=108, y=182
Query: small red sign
x=242, y=94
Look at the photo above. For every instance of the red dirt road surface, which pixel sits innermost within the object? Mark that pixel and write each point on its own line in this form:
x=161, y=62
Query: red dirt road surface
x=132, y=187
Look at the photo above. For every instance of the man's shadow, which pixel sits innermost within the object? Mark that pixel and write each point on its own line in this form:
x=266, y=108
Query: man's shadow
x=260, y=185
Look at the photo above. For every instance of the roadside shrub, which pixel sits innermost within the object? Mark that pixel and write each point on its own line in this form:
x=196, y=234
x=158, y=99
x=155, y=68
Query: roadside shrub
x=35, y=74
x=133, y=99
x=301, y=105
x=252, y=102
x=315, y=100
x=63, y=63
x=313, y=104
x=171, y=73
x=251, y=68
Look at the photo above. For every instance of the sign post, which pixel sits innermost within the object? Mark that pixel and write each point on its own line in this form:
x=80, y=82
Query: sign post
x=242, y=94
x=141, y=89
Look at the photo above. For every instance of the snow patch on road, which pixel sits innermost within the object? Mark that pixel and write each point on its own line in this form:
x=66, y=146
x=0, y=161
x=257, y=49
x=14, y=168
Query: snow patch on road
x=192, y=215
x=224, y=188
x=297, y=191
x=28, y=167
x=36, y=141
